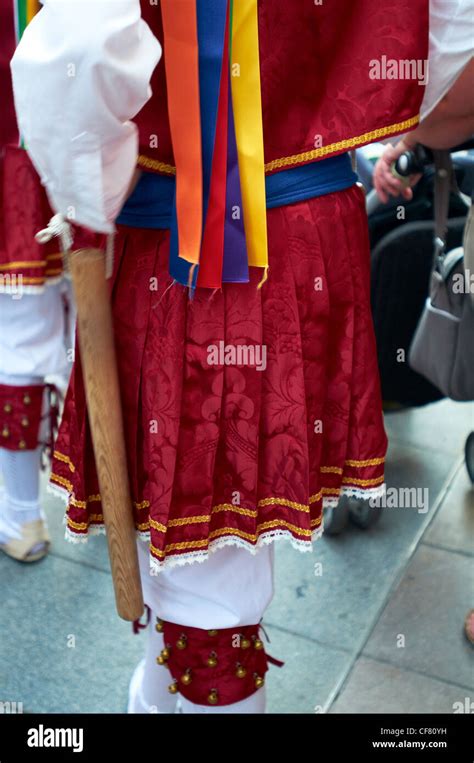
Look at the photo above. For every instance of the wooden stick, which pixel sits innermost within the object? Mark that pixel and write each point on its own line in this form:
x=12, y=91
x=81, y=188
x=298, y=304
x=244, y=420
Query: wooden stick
x=99, y=365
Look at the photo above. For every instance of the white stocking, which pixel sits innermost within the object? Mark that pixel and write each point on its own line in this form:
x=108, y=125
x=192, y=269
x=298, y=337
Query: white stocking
x=19, y=499
x=149, y=689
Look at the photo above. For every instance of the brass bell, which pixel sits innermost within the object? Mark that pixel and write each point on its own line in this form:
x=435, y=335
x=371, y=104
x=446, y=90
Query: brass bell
x=25, y=422
x=22, y=445
x=5, y=432
x=26, y=399
x=163, y=657
x=186, y=678
x=245, y=643
x=212, y=660
x=7, y=408
x=240, y=672
x=213, y=697
x=258, y=643
x=159, y=625
x=182, y=642
x=259, y=682
x=212, y=633
x=173, y=688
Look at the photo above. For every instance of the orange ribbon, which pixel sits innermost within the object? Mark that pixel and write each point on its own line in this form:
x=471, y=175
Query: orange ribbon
x=182, y=74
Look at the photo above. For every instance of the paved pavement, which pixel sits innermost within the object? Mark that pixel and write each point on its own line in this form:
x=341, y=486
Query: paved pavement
x=371, y=622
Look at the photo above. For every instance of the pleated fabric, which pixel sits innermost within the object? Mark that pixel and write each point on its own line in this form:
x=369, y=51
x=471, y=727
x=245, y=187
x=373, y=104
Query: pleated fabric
x=246, y=410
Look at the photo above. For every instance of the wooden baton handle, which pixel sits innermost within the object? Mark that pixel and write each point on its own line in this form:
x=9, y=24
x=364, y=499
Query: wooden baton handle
x=99, y=365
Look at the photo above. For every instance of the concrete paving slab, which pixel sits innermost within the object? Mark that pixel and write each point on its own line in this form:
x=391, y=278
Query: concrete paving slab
x=453, y=526
x=62, y=647
x=441, y=426
x=305, y=682
x=337, y=602
x=422, y=626
x=375, y=687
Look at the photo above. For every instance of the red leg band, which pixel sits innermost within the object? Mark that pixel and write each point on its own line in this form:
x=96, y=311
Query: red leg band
x=20, y=416
x=217, y=667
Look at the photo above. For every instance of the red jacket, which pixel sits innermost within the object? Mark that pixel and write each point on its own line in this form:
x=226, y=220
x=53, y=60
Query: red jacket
x=315, y=62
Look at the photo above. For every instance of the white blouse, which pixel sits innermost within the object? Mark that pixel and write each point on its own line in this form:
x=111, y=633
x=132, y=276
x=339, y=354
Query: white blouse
x=80, y=73
x=451, y=48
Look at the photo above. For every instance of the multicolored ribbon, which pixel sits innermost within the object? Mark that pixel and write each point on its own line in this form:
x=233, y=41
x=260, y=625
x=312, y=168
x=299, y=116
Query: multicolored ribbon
x=247, y=102
x=219, y=218
x=181, y=61
x=24, y=12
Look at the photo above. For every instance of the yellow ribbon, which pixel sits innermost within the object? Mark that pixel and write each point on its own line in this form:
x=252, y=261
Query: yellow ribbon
x=247, y=104
x=32, y=8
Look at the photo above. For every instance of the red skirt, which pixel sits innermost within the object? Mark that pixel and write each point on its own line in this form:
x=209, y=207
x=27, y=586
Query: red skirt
x=246, y=410
x=24, y=210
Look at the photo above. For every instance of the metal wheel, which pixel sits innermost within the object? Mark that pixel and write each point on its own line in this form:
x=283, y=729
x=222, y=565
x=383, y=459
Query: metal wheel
x=336, y=518
x=363, y=515
x=469, y=456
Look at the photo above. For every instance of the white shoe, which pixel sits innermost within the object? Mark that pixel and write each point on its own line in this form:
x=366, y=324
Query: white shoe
x=136, y=703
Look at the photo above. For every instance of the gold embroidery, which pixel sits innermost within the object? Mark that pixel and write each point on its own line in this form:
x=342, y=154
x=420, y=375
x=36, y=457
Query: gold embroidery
x=353, y=481
x=33, y=281
x=253, y=513
x=342, y=145
x=64, y=459
x=83, y=504
x=288, y=525
x=235, y=509
x=189, y=520
x=62, y=481
x=367, y=462
x=142, y=505
x=30, y=263
x=283, y=502
x=252, y=538
x=157, y=526
x=316, y=153
x=77, y=525
x=154, y=164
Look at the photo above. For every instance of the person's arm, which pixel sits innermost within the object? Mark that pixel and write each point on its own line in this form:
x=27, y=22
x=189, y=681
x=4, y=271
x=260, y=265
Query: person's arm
x=449, y=124
x=80, y=73
x=447, y=111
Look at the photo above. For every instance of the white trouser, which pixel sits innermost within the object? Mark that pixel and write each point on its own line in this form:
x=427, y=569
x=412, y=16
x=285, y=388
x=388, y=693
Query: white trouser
x=232, y=587
x=36, y=336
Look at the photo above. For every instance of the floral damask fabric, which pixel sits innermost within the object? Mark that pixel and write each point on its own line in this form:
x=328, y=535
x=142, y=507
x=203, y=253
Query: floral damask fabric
x=246, y=410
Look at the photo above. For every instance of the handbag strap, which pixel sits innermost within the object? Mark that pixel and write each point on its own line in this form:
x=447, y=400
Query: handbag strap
x=444, y=181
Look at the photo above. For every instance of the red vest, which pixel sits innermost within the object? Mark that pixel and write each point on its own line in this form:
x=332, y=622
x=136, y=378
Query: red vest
x=318, y=98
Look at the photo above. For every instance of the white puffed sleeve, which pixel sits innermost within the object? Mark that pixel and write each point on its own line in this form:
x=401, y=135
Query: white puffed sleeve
x=80, y=72
x=451, y=48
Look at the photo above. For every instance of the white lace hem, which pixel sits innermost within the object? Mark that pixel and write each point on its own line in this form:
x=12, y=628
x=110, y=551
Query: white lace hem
x=357, y=493
x=192, y=557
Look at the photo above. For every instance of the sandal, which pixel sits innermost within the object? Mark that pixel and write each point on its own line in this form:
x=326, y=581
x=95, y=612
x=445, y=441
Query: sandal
x=469, y=626
x=32, y=534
